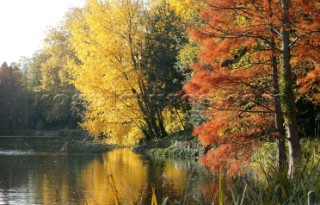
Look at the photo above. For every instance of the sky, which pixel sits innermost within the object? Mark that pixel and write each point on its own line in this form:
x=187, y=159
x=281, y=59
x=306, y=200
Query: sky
x=24, y=24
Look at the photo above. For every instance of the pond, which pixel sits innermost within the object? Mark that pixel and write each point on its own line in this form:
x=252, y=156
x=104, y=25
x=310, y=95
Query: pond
x=28, y=177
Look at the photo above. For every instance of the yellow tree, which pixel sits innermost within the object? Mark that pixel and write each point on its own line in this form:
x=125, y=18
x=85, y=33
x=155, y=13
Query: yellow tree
x=56, y=91
x=106, y=37
x=185, y=8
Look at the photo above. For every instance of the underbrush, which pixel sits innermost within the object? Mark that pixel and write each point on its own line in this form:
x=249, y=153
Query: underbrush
x=267, y=153
x=163, y=145
x=266, y=185
x=176, y=152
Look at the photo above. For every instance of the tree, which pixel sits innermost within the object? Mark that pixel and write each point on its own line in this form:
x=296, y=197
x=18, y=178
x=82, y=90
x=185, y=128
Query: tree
x=308, y=101
x=106, y=38
x=127, y=68
x=187, y=9
x=10, y=93
x=46, y=78
x=300, y=43
x=55, y=90
x=162, y=79
x=240, y=42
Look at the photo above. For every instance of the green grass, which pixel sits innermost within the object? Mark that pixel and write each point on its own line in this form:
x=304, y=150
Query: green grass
x=266, y=185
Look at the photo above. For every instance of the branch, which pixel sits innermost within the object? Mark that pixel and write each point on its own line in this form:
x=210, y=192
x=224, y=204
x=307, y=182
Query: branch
x=248, y=111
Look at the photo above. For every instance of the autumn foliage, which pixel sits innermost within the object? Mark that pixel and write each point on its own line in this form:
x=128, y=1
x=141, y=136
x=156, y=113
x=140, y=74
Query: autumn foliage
x=237, y=40
x=118, y=63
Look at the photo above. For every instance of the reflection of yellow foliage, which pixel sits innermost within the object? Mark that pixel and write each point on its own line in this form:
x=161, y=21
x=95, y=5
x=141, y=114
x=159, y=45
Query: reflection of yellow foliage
x=55, y=189
x=101, y=179
x=176, y=174
x=154, y=197
x=46, y=197
x=127, y=170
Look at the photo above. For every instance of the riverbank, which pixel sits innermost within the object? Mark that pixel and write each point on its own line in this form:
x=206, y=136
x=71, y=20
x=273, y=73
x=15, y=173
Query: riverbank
x=76, y=146
x=53, y=144
x=178, y=145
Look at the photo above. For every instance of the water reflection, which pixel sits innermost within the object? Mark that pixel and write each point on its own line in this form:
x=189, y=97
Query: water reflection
x=119, y=173
x=94, y=179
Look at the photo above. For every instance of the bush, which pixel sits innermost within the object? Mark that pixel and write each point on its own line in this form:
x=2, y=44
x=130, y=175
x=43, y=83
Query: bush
x=267, y=187
x=310, y=147
x=62, y=133
x=40, y=125
x=74, y=134
x=266, y=154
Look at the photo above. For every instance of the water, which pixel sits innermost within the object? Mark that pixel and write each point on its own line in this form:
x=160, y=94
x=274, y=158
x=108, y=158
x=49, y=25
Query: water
x=29, y=177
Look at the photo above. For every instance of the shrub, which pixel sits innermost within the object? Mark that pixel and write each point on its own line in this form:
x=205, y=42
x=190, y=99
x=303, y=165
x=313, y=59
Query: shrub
x=74, y=134
x=62, y=133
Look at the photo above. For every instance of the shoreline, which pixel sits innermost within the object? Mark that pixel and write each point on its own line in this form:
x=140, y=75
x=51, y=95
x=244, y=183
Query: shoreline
x=171, y=147
x=53, y=144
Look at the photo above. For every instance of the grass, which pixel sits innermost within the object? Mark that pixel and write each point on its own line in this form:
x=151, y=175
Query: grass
x=269, y=186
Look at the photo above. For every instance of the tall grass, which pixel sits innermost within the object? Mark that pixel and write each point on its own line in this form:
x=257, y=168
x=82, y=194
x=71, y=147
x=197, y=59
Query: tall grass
x=266, y=185
x=270, y=187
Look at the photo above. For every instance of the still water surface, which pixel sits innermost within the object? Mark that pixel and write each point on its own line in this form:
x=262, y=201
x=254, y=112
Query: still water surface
x=44, y=178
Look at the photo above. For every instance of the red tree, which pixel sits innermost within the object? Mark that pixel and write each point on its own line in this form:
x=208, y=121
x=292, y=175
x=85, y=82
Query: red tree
x=242, y=45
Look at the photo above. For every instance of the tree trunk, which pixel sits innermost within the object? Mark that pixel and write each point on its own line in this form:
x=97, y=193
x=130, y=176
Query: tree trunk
x=161, y=123
x=154, y=128
x=279, y=121
x=288, y=101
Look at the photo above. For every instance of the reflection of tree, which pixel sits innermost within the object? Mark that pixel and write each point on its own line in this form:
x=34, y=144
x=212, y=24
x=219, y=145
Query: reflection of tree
x=129, y=174
x=42, y=179
x=155, y=171
x=83, y=179
x=62, y=184
x=4, y=186
x=176, y=179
